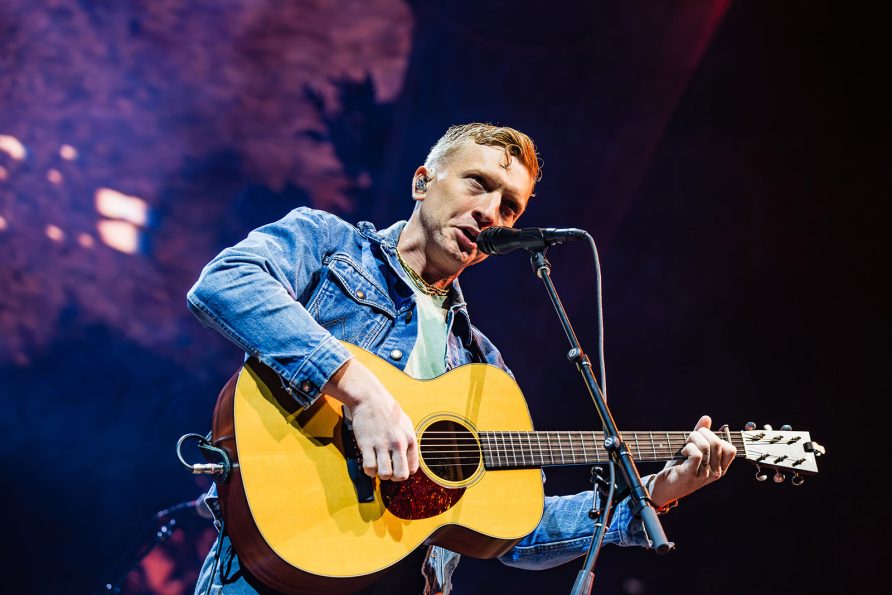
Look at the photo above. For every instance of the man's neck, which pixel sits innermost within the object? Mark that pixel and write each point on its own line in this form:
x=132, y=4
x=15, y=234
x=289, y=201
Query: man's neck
x=413, y=247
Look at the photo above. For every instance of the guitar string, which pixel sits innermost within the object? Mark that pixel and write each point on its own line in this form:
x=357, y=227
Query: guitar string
x=522, y=439
x=658, y=453
x=546, y=459
x=519, y=437
x=640, y=454
x=578, y=445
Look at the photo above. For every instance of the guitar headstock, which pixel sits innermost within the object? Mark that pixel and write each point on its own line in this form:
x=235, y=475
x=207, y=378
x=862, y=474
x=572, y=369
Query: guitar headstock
x=783, y=450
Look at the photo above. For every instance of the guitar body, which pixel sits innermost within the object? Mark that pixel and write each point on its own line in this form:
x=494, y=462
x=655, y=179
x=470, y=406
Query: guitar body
x=294, y=511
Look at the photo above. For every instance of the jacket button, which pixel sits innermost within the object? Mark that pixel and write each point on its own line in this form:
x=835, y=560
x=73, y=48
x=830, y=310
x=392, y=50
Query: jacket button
x=396, y=354
x=409, y=317
x=360, y=294
x=306, y=386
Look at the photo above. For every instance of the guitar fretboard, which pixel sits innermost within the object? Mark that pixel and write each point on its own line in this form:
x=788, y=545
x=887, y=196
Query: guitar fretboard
x=520, y=450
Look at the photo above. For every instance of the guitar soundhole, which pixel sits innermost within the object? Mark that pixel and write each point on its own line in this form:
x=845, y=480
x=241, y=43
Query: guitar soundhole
x=452, y=455
x=450, y=451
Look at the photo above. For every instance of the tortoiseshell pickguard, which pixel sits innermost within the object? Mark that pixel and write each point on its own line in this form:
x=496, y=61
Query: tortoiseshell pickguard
x=418, y=497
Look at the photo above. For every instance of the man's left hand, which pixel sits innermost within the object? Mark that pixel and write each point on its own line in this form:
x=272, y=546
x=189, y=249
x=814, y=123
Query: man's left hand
x=707, y=459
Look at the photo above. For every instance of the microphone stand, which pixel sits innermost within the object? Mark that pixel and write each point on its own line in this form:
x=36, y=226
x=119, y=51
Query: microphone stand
x=619, y=454
x=156, y=531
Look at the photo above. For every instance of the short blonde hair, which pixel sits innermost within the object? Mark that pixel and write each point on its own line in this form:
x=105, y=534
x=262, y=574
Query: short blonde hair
x=516, y=144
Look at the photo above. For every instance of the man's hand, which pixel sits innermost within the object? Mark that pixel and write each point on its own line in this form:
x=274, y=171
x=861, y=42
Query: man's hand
x=708, y=458
x=384, y=433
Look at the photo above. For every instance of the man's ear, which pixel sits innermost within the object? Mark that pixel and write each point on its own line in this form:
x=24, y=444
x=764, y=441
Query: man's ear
x=420, y=183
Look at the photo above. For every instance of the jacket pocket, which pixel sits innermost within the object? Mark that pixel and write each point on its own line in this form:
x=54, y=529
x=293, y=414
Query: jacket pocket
x=350, y=304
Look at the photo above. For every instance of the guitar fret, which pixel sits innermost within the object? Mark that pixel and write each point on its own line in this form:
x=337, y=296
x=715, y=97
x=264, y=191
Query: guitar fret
x=539, y=440
x=530, y=447
x=653, y=445
x=485, y=447
x=584, y=454
x=499, y=448
x=561, y=447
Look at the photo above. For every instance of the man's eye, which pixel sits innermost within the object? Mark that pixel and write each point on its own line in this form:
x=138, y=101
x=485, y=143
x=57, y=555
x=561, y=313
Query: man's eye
x=478, y=181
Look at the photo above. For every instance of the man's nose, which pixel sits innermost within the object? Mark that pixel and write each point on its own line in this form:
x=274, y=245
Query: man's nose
x=486, y=211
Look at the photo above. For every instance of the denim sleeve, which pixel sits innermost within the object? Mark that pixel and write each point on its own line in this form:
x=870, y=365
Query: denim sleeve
x=251, y=293
x=565, y=533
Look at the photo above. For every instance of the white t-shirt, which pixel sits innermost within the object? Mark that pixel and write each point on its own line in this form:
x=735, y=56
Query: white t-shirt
x=428, y=357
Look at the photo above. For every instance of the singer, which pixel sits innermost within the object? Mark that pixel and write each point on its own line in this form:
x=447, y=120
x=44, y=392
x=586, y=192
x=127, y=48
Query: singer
x=293, y=288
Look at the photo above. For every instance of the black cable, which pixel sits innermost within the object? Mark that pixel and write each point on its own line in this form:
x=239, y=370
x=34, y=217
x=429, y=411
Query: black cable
x=602, y=365
x=218, y=546
x=222, y=469
x=197, y=437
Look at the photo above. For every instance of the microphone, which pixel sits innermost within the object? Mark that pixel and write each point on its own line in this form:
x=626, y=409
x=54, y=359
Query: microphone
x=502, y=240
x=195, y=507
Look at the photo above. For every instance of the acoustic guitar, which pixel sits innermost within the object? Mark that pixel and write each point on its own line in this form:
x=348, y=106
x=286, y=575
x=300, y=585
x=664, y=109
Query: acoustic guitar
x=304, y=518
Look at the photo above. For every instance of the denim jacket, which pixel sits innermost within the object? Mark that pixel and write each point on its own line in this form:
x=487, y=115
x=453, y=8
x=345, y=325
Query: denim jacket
x=292, y=289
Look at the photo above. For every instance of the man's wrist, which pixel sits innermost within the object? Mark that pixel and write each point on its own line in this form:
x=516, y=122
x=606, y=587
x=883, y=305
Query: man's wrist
x=650, y=484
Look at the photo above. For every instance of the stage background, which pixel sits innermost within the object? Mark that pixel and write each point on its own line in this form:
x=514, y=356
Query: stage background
x=731, y=160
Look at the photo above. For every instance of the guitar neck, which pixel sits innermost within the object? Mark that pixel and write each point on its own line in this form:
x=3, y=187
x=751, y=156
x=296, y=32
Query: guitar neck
x=524, y=450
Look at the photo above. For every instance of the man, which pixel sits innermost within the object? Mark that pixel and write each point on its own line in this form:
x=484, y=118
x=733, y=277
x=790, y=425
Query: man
x=293, y=288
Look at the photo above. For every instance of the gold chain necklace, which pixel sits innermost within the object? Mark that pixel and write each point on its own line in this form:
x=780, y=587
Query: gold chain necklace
x=420, y=283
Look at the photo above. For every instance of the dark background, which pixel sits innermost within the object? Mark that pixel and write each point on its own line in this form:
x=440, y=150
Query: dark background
x=730, y=159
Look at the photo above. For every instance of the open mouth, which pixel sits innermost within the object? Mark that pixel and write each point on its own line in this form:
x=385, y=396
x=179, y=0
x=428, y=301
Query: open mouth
x=470, y=234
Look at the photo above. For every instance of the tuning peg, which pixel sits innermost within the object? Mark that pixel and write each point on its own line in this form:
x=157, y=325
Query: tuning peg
x=797, y=480
x=760, y=474
x=750, y=426
x=767, y=427
x=779, y=477
x=786, y=427
x=814, y=447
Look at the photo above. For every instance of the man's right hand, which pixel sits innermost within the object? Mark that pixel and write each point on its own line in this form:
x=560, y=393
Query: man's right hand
x=384, y=433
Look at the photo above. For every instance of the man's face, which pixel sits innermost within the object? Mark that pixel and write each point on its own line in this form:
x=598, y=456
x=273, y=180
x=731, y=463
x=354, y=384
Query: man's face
x=472, y=191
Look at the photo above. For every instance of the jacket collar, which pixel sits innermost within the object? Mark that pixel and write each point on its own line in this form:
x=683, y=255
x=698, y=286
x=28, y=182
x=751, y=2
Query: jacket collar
x=387, y=238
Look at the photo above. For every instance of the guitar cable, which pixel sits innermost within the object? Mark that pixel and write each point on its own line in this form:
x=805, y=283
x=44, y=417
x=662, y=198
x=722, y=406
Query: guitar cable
x=223, y=469
x=218, y=546
x=211, y=452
